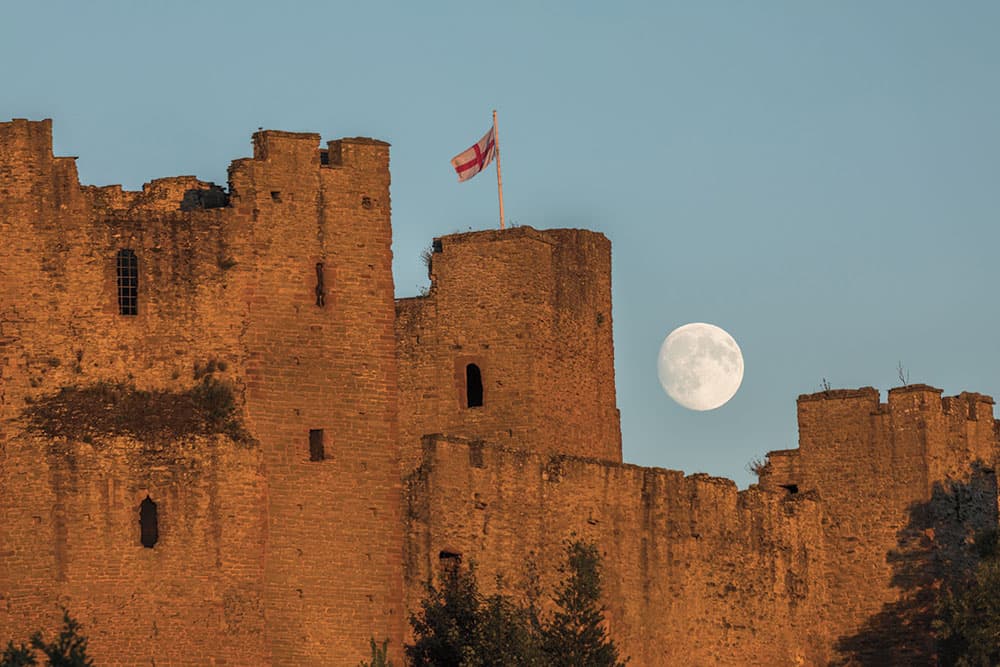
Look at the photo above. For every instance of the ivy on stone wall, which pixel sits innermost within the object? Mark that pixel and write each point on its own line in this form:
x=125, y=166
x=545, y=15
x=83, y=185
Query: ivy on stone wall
x=95, y=412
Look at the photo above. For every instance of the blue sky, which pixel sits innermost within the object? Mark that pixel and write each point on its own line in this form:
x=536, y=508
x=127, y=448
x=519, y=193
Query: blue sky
x=820, y=179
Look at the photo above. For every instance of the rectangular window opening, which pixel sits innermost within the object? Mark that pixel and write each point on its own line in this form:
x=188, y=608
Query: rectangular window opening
x=317, y=451
x=476, y=455
x=127, y=270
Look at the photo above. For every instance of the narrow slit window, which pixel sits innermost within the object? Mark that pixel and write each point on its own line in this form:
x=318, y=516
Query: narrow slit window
x=320, y=286
x=473, y=386
x=317, y=451
x=128, y=282
x=148, y=528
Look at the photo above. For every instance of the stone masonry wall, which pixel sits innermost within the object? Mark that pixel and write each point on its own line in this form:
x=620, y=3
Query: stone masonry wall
x=70, y=535
x=906, y=485
x=532, y=309
x=334, y=527
x=228, y=289
x=695, y=572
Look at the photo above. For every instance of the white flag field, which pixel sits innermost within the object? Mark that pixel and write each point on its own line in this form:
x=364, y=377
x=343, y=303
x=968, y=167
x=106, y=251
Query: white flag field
x=470, y=162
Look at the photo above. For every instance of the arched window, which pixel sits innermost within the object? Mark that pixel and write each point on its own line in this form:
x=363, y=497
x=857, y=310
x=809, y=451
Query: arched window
x=128, y=282
x=149, y=531
x=473, y=386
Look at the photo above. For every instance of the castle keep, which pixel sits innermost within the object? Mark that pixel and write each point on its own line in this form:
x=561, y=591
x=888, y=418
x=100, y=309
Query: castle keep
x=224, y=442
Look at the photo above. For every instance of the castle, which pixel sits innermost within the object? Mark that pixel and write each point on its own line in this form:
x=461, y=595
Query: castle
x=223, y=441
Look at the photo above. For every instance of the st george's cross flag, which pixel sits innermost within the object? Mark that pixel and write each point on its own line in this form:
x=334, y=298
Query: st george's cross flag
x=470, y=162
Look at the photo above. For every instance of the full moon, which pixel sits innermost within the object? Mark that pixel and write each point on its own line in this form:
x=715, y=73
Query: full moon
x=700, y=366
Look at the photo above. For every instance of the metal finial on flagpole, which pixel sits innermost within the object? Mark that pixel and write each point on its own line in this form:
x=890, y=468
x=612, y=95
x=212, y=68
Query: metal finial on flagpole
x=496, y=148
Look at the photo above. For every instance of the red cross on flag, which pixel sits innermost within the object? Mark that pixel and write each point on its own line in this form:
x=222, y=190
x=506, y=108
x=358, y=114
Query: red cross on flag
x=470, y=162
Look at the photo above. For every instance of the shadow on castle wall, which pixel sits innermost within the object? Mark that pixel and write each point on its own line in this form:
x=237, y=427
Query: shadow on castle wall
x=935, y=551
x=203, y=198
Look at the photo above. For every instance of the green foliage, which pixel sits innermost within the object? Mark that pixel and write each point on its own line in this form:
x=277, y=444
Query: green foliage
x=506, y=635
x=109, y=409
x=68, y=649
x=575, y=635
x=447, y=620
x=17, y=656
x=460, y=627
x=379, y=657
x=968, y=620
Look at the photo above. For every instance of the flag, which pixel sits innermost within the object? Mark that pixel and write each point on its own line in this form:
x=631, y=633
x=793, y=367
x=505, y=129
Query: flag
x=472, y=161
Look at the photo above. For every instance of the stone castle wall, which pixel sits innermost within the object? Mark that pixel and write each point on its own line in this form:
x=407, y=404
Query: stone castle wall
x=694, y=571
x=532, y=311
x=277, y=292
x=884, y=472
x=228, y=290
x=70, y=535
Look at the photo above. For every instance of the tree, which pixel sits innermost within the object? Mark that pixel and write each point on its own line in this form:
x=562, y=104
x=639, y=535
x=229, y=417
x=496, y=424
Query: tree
x=968, y=622
x=68, y=649
x=458, y=626
x=575, y=637
x=17, y=656
x=445, y=627
x=507, y=635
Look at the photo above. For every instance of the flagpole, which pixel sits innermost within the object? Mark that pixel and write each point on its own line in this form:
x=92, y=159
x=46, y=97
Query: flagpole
x=496, y=147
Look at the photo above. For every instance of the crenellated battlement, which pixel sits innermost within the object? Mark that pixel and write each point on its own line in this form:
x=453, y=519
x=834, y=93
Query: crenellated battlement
x=26, y=157
x=28, y=170
x=271, y=145
x=25, y=139
x=916, y=429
